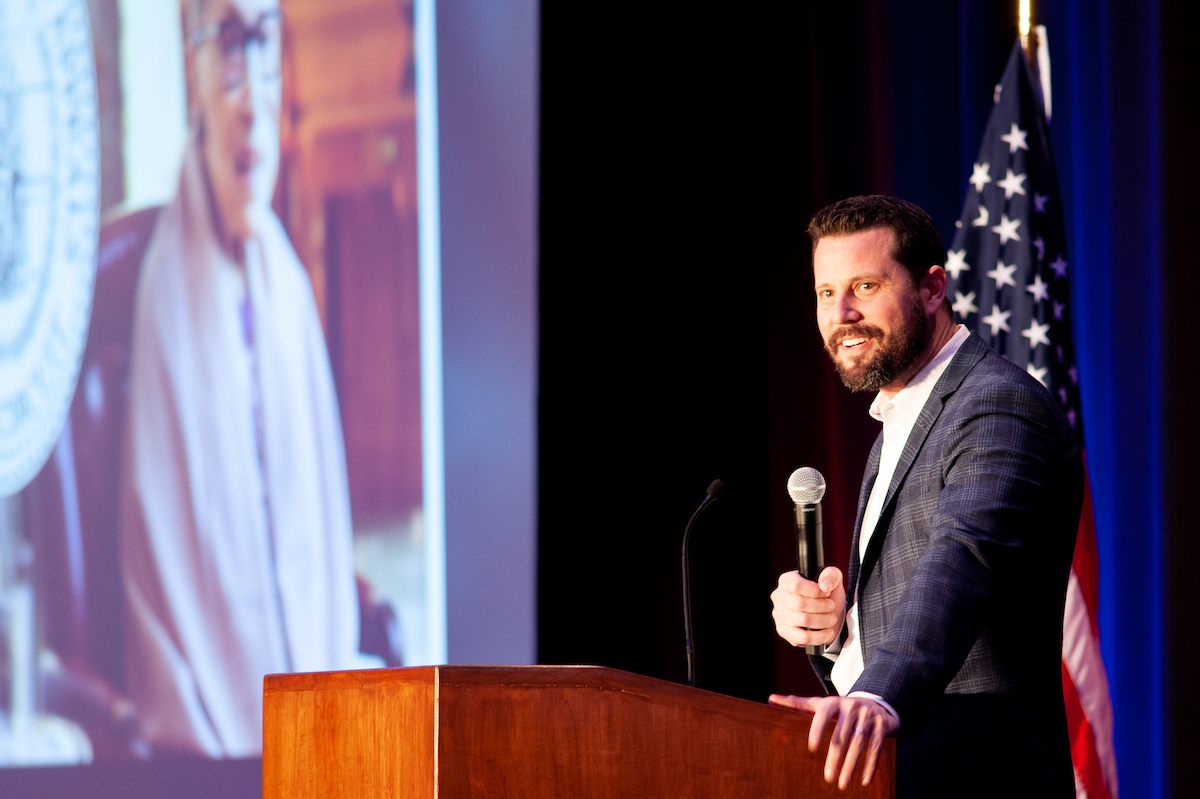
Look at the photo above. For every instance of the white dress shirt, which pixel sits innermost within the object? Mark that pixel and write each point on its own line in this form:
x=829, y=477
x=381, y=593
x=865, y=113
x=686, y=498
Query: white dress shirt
x=898, y=415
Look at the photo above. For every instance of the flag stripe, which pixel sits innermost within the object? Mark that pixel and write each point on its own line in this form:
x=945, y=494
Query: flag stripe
x=1089, y=784
x=1086, y=563
x=1083, y=667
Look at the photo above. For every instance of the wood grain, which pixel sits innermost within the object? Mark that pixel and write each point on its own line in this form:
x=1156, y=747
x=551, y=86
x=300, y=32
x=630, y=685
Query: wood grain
x=532, y=731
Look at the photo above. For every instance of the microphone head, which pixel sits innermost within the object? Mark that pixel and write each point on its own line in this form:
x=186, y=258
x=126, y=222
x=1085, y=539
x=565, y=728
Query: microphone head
x=806, y=486
x=714, y=489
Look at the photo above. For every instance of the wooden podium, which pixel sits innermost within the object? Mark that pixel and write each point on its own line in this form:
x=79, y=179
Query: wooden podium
x=453, y=732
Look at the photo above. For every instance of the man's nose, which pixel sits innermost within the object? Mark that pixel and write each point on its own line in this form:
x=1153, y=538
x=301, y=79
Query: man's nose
x=255, y=88
x=845, y=310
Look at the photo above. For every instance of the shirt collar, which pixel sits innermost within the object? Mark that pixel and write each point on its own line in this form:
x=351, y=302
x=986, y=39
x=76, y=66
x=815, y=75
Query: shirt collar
x=916, y=391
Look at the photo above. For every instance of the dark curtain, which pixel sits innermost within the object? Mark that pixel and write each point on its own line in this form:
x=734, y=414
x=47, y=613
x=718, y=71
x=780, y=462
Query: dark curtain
x=682, y=153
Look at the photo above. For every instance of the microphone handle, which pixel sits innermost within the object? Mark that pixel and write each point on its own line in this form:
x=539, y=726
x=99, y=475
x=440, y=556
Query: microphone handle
x=810, y=549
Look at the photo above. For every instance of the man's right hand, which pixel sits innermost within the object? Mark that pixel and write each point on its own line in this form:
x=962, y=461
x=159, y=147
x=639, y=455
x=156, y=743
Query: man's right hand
x=808, y=613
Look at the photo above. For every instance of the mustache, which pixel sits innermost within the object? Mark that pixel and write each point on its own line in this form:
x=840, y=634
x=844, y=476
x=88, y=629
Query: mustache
x=851, y=331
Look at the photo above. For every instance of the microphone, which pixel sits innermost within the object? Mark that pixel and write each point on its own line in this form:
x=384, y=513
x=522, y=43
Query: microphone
x=710, y=496
x=806, y=487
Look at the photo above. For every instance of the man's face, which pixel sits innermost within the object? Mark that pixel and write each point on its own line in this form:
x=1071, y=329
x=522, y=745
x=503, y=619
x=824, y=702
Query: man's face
x=237, y=92
x=872, y=318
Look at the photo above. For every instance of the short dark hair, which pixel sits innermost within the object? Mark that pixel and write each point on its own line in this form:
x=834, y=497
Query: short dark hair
x=918, y=243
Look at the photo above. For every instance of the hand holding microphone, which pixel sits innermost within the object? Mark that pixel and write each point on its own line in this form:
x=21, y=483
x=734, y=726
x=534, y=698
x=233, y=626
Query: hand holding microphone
x=809, y=604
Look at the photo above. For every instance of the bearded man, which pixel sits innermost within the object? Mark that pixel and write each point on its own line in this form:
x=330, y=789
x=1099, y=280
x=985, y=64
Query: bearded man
x=948, y=631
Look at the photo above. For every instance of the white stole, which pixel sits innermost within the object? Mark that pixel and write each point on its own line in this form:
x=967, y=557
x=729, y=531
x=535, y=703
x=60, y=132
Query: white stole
x=235, y=565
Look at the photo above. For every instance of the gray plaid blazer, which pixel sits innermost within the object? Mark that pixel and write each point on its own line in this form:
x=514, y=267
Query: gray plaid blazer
x=962, y=587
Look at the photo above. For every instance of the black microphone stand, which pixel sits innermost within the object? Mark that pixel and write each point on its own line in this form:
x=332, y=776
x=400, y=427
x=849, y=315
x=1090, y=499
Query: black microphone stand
x=710, y=496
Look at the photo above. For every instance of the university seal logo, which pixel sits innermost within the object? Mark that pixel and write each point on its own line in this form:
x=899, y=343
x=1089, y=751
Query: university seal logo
x=49, y=208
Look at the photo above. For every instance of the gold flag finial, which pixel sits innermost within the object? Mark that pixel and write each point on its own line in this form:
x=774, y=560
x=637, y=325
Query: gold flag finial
x=1024, y=24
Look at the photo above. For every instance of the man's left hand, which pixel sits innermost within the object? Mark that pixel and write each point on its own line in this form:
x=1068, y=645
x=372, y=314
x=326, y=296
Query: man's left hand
x=862, y=724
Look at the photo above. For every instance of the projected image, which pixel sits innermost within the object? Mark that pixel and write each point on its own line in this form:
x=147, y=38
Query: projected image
x=237, y=486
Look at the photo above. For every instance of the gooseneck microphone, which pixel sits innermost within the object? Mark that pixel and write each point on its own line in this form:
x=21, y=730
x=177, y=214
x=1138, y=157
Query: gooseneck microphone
x=806, y=487
x=710, y=496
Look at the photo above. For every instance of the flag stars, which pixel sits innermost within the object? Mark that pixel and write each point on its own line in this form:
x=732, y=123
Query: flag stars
x=956, y=262
x=1033, y=332
x=1015, y=139
x=1003, y=275
x=1007, y=229
x=1012, y=184
x=1039, y=374
x=997, y=320
x=964, y=304
x=1036, y=333
x=1039, y=289
x=1060, y=268
x=980, y=177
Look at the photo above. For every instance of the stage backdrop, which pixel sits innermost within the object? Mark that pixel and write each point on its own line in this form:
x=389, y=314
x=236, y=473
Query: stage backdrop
x=682, y=156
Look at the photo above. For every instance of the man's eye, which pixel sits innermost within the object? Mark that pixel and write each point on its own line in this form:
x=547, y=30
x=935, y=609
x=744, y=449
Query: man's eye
x=866, y=286
x=232, y=38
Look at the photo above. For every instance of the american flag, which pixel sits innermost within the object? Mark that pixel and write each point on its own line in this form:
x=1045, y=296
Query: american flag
x=1008, y=272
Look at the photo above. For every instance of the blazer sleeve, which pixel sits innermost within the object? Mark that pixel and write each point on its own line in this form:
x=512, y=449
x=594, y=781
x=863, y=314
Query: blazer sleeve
x=977, y=549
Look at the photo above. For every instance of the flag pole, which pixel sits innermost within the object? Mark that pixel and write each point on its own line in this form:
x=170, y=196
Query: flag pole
x=1037, y=52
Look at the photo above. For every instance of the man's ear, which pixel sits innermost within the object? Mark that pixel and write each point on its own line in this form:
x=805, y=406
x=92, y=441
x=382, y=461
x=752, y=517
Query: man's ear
x=933, y=289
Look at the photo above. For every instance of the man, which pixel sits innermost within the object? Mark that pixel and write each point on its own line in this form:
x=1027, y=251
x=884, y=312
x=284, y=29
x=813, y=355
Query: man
x=236, y=535
x=948, y=632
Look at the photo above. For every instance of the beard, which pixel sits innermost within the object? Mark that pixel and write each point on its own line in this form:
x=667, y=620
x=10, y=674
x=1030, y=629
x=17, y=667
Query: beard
x=896, y=354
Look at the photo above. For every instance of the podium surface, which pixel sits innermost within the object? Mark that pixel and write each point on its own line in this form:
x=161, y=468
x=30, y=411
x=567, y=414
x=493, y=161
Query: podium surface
x=532, y=731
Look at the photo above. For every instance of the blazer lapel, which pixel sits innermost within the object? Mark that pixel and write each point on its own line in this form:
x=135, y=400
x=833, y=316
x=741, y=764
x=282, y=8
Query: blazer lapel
x=871, y=473
x=969, y=354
